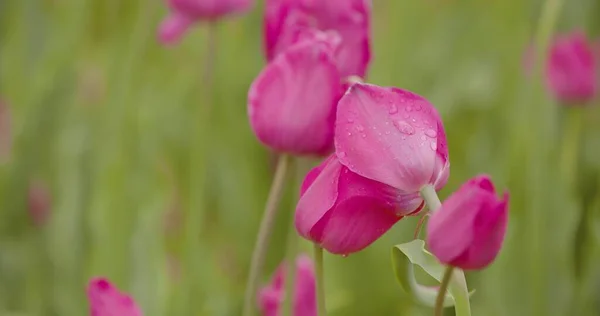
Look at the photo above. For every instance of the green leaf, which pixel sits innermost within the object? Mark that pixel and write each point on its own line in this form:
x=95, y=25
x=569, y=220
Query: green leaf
x=405, y=256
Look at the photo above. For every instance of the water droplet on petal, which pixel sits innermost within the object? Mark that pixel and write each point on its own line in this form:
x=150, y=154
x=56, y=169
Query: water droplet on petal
x=404, y=127
x=433, y=146
x=409, y=108
x=431, y=133
x=393, y=109
x=419, y=107
x=360, y=128
x=345, y=255
x=350, y=120
x=342, y=154
x=349, y=134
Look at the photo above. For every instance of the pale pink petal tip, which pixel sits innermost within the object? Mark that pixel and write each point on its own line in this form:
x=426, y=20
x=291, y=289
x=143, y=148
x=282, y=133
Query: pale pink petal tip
x=172, y=29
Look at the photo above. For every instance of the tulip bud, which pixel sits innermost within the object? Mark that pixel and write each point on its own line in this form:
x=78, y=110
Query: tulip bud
x=344, y=212
x=572, y=69
x=39, y=203
x=468, y=230
x=184, y=13
x=271, y=297
x=350, y=18
x=392, y=136
x=106, y=300
x=291, y=104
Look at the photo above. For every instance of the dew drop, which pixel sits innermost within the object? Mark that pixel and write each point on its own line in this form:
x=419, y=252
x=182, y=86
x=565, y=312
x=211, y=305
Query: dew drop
x=433, y=146
x=404, y=127
x=409, y=108
x=393, y=109
x=345, y=255
x=360, y=128
x=350, y=120
x=349, y=134
x=342, y=154
x=418, y=108
x=431, y=133
x=423, y=138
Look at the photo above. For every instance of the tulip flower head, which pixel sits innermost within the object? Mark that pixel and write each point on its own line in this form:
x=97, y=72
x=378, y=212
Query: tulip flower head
x=391, y=136
x=106, y=300
x=350, y=18
x=184, y=13
x=291, y=104
x=271, y=297
x=468, y=230
x=572, y=69
x=344, y=212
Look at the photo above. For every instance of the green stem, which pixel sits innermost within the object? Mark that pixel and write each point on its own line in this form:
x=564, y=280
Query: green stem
x=264, y=233
x=570, y=146
x=457, y=282
x=318, y=252
x=439, y=301
x=431, y=198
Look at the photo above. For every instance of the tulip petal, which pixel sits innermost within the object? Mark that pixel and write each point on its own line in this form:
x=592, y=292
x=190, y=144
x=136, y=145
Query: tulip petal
x=172, y=29
x=292, y=102
x=305, y=303
x=318, y=198
x=450, y=228
x=389, y=135
x=354, y=224
x=312, y=175
x=106, y=300
x=490, y=228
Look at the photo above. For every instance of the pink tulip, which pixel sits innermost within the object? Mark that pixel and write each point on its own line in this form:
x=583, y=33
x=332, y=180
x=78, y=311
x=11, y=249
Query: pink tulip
x=184, y=13
x=468, y=230
x=572, y=70
x=350, y=18
x=392, y=136
x=106, y=300
x=344, y=212
x=271, y=297
x=291, y=104
x=39, y=203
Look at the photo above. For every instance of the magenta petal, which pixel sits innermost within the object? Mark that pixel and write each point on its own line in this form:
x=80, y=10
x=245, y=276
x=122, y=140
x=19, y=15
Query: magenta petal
x=173, y=28
x=291, y=104
x=390, y=135
x=305, y=296
x=571, y=69
x=490, y=228
x=106, y=300
x=355, y=224
x=468, y=230
x=318, y=198
x=312, y=175
x=271, y=297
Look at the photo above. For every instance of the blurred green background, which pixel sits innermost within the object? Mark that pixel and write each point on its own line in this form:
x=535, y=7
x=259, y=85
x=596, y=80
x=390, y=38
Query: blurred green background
x=110, y=122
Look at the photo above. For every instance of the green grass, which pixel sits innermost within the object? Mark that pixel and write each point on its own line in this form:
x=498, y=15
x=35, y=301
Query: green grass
x=106, y=117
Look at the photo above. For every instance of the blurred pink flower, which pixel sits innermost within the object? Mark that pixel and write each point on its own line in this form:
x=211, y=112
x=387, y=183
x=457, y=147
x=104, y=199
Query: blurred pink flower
x=5, y=132
x=350, y=18
x=291, y=104
x=392, y=136
x=344, y=212
x=572, y=69
x=184, y=13
x=271, y=297
x=39, y=203
x=468, y=230
x=106, y=300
